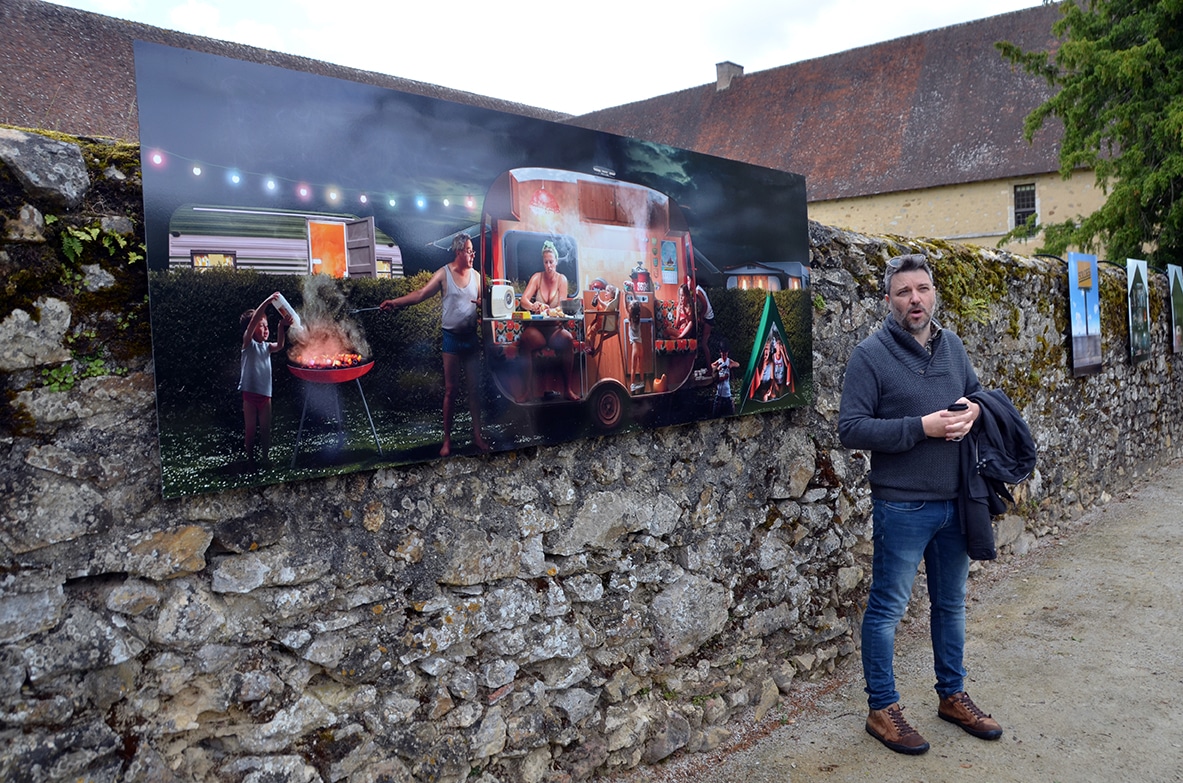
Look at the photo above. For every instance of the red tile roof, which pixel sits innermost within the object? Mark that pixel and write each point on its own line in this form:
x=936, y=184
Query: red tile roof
x=935, y=108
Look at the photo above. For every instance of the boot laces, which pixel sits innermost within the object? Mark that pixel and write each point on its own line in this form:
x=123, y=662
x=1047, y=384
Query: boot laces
x=965, y=701
x=901, y=725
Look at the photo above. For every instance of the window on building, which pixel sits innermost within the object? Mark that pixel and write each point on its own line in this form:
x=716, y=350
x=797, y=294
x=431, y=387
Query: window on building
x=1024, y=203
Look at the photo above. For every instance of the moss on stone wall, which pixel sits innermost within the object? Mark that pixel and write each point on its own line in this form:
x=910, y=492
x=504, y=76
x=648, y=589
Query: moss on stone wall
x=59, y=254
x=1115, y=308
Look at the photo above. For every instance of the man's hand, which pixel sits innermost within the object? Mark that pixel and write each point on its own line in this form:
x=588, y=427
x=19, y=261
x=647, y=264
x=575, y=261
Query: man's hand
x=951, y=425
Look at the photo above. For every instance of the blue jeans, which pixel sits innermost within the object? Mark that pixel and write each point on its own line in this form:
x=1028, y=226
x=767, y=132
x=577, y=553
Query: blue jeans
x=903, y=533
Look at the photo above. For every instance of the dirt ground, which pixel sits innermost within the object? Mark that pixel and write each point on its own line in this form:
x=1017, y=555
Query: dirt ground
x=1074, y=648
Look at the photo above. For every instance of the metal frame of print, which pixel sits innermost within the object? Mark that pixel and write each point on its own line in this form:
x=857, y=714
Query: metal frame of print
x=344, y=277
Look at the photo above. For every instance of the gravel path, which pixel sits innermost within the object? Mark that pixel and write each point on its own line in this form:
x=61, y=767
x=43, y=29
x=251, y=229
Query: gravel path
x=1074, y=648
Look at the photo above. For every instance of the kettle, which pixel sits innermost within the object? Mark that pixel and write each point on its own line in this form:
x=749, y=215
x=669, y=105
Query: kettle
x=640, y=278
x=501, y=300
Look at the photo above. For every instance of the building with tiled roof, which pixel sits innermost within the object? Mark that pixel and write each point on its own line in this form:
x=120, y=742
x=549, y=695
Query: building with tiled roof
x=74, y=71
x=920, y=136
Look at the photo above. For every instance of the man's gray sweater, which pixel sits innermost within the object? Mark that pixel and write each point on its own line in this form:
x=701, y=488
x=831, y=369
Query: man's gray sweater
x=892, y=381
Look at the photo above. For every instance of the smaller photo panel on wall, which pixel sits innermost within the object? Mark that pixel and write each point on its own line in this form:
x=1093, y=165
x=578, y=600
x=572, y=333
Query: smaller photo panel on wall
x=1137, y=290
x=1084, y=307
x=1175, y=278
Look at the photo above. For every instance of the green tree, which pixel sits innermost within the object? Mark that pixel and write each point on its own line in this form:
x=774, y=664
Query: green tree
x=1119, y=73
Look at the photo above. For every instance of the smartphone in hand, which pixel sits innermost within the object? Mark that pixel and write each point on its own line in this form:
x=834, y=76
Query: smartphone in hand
x=958, y=406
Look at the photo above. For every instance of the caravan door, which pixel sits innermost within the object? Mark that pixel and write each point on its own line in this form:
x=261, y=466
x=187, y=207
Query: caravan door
x=361, y=248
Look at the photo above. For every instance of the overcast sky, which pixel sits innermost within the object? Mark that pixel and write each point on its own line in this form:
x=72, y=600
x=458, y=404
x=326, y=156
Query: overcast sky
x=564, y=56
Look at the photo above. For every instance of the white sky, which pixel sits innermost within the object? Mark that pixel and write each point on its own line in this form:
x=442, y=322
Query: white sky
x=559, y=55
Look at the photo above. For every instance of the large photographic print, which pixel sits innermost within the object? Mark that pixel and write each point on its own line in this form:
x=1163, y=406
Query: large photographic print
x=345, y=277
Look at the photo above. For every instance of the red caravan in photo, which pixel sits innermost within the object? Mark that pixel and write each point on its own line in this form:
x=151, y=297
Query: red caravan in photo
x=624, y=250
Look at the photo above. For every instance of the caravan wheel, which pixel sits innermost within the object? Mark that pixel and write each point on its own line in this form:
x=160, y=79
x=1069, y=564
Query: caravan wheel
x=608, y=406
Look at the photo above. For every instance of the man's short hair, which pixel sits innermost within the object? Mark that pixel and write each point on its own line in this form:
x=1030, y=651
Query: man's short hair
x=459, y=241
x=908, y=263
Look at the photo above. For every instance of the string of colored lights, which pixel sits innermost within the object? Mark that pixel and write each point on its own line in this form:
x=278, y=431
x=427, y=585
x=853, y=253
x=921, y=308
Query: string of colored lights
x=303, y=190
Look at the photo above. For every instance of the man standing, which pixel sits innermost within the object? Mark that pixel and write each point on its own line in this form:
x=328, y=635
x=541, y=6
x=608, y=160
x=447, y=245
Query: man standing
x=900, y=383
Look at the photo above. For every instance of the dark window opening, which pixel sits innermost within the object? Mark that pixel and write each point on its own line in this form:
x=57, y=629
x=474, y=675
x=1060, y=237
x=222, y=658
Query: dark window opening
x=1024, y=203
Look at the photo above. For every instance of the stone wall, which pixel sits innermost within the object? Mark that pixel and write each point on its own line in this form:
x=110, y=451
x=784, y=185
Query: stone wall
x=540, y=615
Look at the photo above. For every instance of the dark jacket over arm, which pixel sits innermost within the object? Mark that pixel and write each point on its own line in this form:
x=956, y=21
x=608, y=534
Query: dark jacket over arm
x=999, y=451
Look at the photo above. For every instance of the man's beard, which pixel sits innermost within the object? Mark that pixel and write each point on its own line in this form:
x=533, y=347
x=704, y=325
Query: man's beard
x=909, y=326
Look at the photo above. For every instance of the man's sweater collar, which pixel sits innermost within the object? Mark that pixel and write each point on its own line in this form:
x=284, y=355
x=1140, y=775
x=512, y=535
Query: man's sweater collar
x=908, y=350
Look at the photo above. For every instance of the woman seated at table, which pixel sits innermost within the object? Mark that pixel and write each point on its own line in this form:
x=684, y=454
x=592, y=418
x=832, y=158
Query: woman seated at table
x=545, y=293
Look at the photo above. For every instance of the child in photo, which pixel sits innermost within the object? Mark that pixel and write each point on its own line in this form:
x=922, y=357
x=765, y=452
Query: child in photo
x=634, y=348
x=723, y=404
x=254, y=380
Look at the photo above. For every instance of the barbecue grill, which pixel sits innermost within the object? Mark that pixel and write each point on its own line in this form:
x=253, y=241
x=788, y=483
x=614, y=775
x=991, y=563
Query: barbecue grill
x=325, y=383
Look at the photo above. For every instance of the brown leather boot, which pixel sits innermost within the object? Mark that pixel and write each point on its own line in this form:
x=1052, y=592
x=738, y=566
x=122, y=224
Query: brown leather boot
x=889, y=727
x=961, y=710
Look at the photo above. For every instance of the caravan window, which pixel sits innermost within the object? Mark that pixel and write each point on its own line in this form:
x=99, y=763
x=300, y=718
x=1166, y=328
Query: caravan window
x=523, y=257
x=202, y=259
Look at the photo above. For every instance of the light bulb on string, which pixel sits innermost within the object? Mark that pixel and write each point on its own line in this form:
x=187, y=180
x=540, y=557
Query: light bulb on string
x=304, y=190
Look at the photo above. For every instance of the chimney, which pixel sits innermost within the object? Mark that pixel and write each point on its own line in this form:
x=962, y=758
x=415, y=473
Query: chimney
x=724, y=73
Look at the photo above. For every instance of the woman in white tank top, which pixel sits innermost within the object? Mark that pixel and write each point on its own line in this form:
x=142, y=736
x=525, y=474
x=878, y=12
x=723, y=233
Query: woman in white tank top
x=457, y=282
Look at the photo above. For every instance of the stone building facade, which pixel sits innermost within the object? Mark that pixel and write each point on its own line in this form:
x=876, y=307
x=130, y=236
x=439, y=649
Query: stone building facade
x=975, y=213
